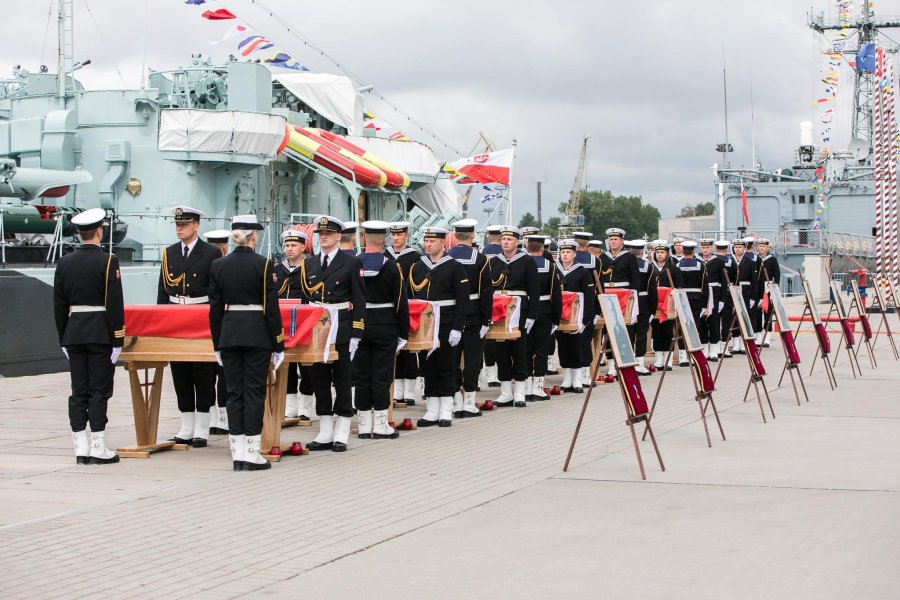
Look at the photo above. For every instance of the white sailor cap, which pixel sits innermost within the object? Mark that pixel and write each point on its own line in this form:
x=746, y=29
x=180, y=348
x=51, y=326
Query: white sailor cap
x=567, y=244
x=399, y=226
x=721, y=243
x=536, y=238
x=738, y=242
x=511, y=231
x=547, y=240
x=529, y=230
x=595, y=244
x=326, y=223
x=636, y=244
x=582, y=235
x=465, y=225
x=376, y=226
x=494, y=229
x=615, y=231
x=350, y=227
x=217, y=236
x=435, y=233
x=660, y=244
x=748, y=239
x=763, y=241
x=688, y=244
x=245, y=222
x=677, y=240
x=293, y=235
x=184, y=214
x=92, y=218
x=706, y=242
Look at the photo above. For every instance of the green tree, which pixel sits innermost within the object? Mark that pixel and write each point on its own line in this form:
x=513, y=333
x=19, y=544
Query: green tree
x=701, y=209
x=551, y=227
x=528, y=220
x=602, y=210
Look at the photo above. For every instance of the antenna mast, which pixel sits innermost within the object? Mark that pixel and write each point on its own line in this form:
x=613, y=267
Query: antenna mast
x=65, y=49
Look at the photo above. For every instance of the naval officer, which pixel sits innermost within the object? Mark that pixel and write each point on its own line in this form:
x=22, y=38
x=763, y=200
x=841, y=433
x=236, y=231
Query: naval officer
x=218, y=415
x=245, y=322
x=90, y=321
x=184, y=279
x=333, y=279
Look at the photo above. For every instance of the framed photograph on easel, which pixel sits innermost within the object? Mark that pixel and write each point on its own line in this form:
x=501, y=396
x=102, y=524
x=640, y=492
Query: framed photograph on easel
x=791, y=355
x=743, y=315
x=617, y=330
x=686, y=320
x=821, y=334
x=840, y=302
x=811, y=303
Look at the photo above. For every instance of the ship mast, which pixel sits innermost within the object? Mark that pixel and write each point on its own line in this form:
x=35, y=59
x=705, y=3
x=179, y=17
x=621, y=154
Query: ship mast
x=866, y=29
x=66, y=51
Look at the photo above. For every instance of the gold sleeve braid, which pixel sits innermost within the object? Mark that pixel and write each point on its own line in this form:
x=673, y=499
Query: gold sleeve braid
x=399, y=289
x=417, y=287
x=285, y=286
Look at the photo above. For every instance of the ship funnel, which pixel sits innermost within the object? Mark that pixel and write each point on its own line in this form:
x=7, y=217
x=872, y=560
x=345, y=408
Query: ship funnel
x=30, y=183
x=806, y=133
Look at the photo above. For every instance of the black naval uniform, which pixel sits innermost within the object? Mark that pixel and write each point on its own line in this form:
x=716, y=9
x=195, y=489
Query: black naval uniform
x=729, y=276
x=407, y=366
x=748, y=280
x=620, y=272
x=444, y=282
x=340, y=282
x=537, y=345
x=693, y=274
x=289, y=287
x=387, y=322
x=90, y=321
x=769, y=272
x=590, y=263
x=245, y=322
x=711, y=326
x=490, y=346
x=481, y=294
x=516, y=276
x=667, y=276
x=186, y=281
x=648, y=302
x=569, y=344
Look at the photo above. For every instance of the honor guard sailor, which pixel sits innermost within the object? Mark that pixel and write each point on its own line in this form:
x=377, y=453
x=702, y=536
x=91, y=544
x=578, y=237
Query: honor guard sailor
x=491, y=249
x=478, y=318
x=515, y=274
x=586, y=255
x=247, y=335
x=537, y=345
x=575, y=278
x=299, y=395
x=715, y=277
x=618, y=270
x=348, y=238
x=440, y=279
x=668, y=275
x=747, y=279
x=769, y=272
x=184, y=279
x=647, y=303
x=218, y=415
x=407, y=368
x=90, y=320
x=386, y=332
x=693, y=274
x=729, y=277
x=334, y=279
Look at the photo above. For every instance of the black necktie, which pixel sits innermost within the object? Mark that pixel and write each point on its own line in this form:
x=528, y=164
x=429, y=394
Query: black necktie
x=186, y=250
x=324, y=262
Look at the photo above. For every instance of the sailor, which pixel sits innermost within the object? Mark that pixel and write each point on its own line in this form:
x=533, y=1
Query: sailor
x=333, y=279
x=677, y=249
x=491, y=249
x=647, y=303
x=299, y=396
x=407, y=367
x=715, y=279
x=729, y=277
x=668, y=275
x=348, y=238
x=184, y=279
x=90, y=321
x=550, y=253
x=438, y=278
x=595, y=247
x=589, y=260
x=218, y=414
x=478, y=318
x=537, y=345
x=386, y=333
x=245, y=322
x=747, y=279
x=693, y=273
x=618, y=270
x=529, y=230
x=769, y=272
x=575, y=278
x=515, y=274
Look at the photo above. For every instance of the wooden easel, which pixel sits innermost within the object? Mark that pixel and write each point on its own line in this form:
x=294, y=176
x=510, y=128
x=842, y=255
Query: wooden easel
x=882, y=308
x=810, y=309
x=854, y=362
x=790, y=367
x=856, y=302
x=631, y=419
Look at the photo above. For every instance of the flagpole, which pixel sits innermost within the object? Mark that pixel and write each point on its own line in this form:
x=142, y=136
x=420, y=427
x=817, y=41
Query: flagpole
x=509, y=188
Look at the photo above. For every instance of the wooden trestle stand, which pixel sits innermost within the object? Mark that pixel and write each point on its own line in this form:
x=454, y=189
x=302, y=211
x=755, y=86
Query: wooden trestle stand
x=788, y=343
x=857, y=304
x=616, y=338
x=882, y=309
x=847, y=334
x=145, y=358
x=824, y=342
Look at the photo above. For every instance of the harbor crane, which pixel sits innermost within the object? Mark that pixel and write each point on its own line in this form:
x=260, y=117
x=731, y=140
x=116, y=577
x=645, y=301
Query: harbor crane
x=574, y=220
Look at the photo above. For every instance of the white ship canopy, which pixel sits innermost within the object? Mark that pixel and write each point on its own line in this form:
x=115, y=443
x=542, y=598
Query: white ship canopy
x=229, y=131
x=332, y=96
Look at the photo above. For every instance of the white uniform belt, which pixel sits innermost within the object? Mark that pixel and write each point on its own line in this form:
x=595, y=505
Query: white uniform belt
x=474, y=296
x=642, y=293
x=443, y=302
x=715, y=284
x=187, y=300
x=545, y=298
x=337, y=305
x=746, y=282
x=698, y=290
x=617, y=284
x=246, y=307
x=513, y=293
x=379, y=305
x=77, y=308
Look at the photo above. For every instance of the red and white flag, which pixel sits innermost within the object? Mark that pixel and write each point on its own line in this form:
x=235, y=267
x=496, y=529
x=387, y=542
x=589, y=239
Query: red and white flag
x=493, y=167
x=744, y=205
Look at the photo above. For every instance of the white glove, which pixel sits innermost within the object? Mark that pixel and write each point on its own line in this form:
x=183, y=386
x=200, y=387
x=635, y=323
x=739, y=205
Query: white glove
x=633, y=320
x=455, y=336
x=596, y=319
x=277, y=359
x=484, y=330
x=400, y=343
x=704, y=313
x=114, y=355
x=721, y=306
x=354, y=344
x=529, y=323
x=752, y=303
x=553, y=329
x=66, y=352
x=581, y=327
x=219, y=358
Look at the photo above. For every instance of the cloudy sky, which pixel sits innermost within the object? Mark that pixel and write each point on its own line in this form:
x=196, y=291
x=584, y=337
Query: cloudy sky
x=642, y=78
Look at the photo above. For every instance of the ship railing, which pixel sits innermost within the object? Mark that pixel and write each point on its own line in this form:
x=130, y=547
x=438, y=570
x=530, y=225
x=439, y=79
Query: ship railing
x=798, y=241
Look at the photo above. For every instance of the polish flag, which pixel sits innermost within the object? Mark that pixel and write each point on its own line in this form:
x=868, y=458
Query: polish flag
x=744, y=205
x=493, y=167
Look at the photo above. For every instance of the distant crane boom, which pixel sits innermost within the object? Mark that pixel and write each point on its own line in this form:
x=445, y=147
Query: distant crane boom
x=573, y=217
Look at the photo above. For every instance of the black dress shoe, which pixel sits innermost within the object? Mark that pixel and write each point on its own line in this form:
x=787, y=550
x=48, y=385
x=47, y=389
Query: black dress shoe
x=684, y=364
x=458, y=414
x=96, y=460
x=217, y=431
x=365, y=436
x=713, y=359
x=766, y=345
x=464, y=414
x=386, y=436
x=444, y=423
x=503, y=404
x=82, y=460
x=576, y=390
x=252, y=466
x=314, y=445
x=738, y=352
x=540, y=398
x=339, y=447
x=494, y=384
x=425, y=423
x=668, y=368
x=520, y=404
x=198, y=443
x=178, y=440
x=301, y=417
x=409, y=402
x=237, y=465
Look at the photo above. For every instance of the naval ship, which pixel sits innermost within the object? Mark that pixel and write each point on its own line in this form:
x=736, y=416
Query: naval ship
x=227, y=138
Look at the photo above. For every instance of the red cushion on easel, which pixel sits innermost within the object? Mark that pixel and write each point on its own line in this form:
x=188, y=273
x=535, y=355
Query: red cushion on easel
x=787, y=338
x=824, y=340
x=753, y=353
x=634, y=395
x=704, y=374
x=848, y=331
x=867, y=328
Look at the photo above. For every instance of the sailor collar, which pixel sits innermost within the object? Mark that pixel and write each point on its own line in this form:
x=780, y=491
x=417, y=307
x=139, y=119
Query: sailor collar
x=288, y=266
x=616, y=257
x=542, y=264
x=433, y=265
x=515, y=257
x=372, y=262
x=397, y=255
x=565, y=271
x=462, y=258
